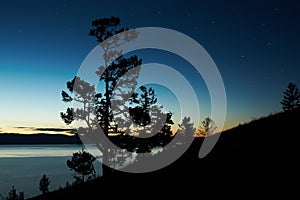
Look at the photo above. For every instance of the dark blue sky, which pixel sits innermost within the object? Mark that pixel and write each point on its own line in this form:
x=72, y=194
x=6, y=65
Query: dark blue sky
x=43, y=43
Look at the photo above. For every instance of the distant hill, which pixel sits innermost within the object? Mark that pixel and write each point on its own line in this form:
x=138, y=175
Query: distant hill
x=257, y=159
x=11, y=138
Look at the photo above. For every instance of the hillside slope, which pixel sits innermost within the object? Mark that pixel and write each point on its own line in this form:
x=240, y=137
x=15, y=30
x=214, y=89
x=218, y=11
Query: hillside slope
x=257, y=159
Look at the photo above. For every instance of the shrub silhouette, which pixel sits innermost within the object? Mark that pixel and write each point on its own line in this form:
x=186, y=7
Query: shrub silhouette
x=82, y=163
x=12, y=195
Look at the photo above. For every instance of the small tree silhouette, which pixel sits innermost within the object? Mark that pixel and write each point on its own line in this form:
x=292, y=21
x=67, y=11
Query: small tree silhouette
x=82, y=163
x=44, y=184
x=186, y=129
x=12, y=195
x=291, y=98
x=207, y=128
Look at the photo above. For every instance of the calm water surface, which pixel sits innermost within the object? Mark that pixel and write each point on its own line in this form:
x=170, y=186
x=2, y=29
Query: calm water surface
x=22, y=166
x=23, y=151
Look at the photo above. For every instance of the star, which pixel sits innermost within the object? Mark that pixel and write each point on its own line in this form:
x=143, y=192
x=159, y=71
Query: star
x=243, y=60
x=20, y=31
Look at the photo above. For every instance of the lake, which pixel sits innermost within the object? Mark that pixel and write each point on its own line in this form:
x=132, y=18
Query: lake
x=22, y=166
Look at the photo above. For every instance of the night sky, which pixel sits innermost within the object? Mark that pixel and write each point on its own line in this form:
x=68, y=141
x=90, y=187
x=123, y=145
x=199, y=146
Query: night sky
x=42, y=45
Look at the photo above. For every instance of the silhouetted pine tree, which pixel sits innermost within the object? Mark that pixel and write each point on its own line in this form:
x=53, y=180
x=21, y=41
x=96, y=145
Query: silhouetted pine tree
x=44, y=184
x=207, y=127
x=291, y=98
x=82, y=163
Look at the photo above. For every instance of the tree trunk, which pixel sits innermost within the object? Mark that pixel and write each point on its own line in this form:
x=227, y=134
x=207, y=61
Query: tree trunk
x=106, y=117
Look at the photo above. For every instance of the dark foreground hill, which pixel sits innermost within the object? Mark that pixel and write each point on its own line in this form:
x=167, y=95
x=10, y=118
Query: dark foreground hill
x=11, y=138
x=254, y=160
